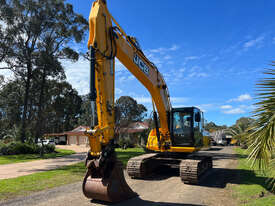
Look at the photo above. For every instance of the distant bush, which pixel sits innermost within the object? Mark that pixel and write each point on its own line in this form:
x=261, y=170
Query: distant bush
x=125, y=142
x=14, y=148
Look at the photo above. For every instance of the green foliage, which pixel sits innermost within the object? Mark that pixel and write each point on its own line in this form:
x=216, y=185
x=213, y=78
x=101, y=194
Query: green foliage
x=128, y=111
x=61, y=109
x=14, y=148
x=10, y=159
x=86, y=111
x=125, y=142
x=212, y=127
x=262, y=133
x=239, y=130
x=36, y=37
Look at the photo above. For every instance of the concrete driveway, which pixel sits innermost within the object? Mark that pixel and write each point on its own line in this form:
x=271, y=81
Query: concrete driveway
x=27, y=168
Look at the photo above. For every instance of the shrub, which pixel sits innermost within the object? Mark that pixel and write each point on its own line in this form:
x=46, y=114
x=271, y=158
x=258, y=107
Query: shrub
x=49, y=148
x=125, y=142
x=14, y=148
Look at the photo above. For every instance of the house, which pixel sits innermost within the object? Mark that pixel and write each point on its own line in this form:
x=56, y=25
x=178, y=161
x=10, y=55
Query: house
x=77, y=137
x=134, y=127
x=74, y=137
x=134, y=132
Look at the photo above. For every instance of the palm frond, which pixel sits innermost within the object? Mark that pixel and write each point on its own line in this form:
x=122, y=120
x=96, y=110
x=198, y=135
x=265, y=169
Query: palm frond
x=262, y=135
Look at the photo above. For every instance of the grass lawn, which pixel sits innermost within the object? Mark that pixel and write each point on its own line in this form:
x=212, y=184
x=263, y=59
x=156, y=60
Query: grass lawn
x=252, y=184
x=8, y=159
x=25, y=185
x=125, y=154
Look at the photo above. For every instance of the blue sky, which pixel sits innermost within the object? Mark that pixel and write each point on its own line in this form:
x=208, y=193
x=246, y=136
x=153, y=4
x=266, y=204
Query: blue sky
x=211, y=53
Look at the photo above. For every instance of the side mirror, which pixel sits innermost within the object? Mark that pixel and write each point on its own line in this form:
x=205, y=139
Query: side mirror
x=197, y=117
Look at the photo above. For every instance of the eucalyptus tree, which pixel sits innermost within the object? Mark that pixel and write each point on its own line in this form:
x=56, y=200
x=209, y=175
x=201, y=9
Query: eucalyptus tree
x=11, y=102
x=39, y=30
x=62, y=107
x=86, y=111
x=128, y=111
x=262, y=136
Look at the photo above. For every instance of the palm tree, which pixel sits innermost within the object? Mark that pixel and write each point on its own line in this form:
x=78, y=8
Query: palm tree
x=262, y=134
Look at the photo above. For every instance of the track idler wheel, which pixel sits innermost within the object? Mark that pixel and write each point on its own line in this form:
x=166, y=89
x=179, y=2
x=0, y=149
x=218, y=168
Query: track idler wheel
x=111, y=187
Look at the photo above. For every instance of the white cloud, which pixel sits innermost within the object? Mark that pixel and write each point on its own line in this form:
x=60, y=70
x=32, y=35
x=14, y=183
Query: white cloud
x=234, y=111
x=226, y=107
x=174, y=48
x=174, y=100
x=182, y=70
x=164, y=50
x=119, y=67
x=254, y=42
x=77, y=74
x=206, y=107
x=241, y=98
x=143, y=100
x=118, y=91
x=191, y=58
x=198, y=74
x=167, y=57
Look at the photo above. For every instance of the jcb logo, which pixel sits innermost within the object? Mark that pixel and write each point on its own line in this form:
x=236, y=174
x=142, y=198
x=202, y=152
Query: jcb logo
x=141, y=65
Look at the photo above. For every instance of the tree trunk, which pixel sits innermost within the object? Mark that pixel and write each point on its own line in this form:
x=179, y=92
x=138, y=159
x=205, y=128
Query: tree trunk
x=26, y=99
x=40, y=121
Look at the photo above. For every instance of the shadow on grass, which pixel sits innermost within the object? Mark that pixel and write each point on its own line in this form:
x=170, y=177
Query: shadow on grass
x=221, y=156
x=220, y=177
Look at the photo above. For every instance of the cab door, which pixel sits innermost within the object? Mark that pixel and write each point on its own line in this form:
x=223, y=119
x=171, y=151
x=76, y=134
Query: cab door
x=182, y=129
x=197, y=127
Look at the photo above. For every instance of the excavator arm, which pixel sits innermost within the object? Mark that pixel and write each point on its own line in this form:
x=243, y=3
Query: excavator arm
x=107, y=40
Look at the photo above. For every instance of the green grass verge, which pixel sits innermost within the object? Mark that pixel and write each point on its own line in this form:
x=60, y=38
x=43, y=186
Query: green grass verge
x=125, y=154
x=9, y=159
x=252, y=184
x=25, y=185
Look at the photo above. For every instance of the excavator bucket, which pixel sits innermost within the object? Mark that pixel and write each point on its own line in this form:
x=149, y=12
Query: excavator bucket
x=111, y=189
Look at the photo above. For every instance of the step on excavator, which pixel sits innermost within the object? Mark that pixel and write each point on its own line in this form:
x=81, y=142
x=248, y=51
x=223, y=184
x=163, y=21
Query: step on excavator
x=178, y=132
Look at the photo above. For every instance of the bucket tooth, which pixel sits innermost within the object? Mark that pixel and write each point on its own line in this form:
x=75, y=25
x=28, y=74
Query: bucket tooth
x=111, y=189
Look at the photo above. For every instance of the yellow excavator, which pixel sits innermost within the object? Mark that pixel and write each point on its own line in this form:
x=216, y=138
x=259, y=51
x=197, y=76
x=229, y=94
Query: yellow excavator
x=178, y=132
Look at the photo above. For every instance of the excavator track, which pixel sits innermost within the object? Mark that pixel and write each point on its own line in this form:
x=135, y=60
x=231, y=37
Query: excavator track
x=141, y=166
x=193, y=169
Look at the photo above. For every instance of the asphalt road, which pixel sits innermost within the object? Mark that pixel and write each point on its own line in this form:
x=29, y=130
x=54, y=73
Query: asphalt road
x=165, y=188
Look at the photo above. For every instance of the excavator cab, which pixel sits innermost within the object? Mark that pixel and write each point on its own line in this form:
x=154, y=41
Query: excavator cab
x=186, y=127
